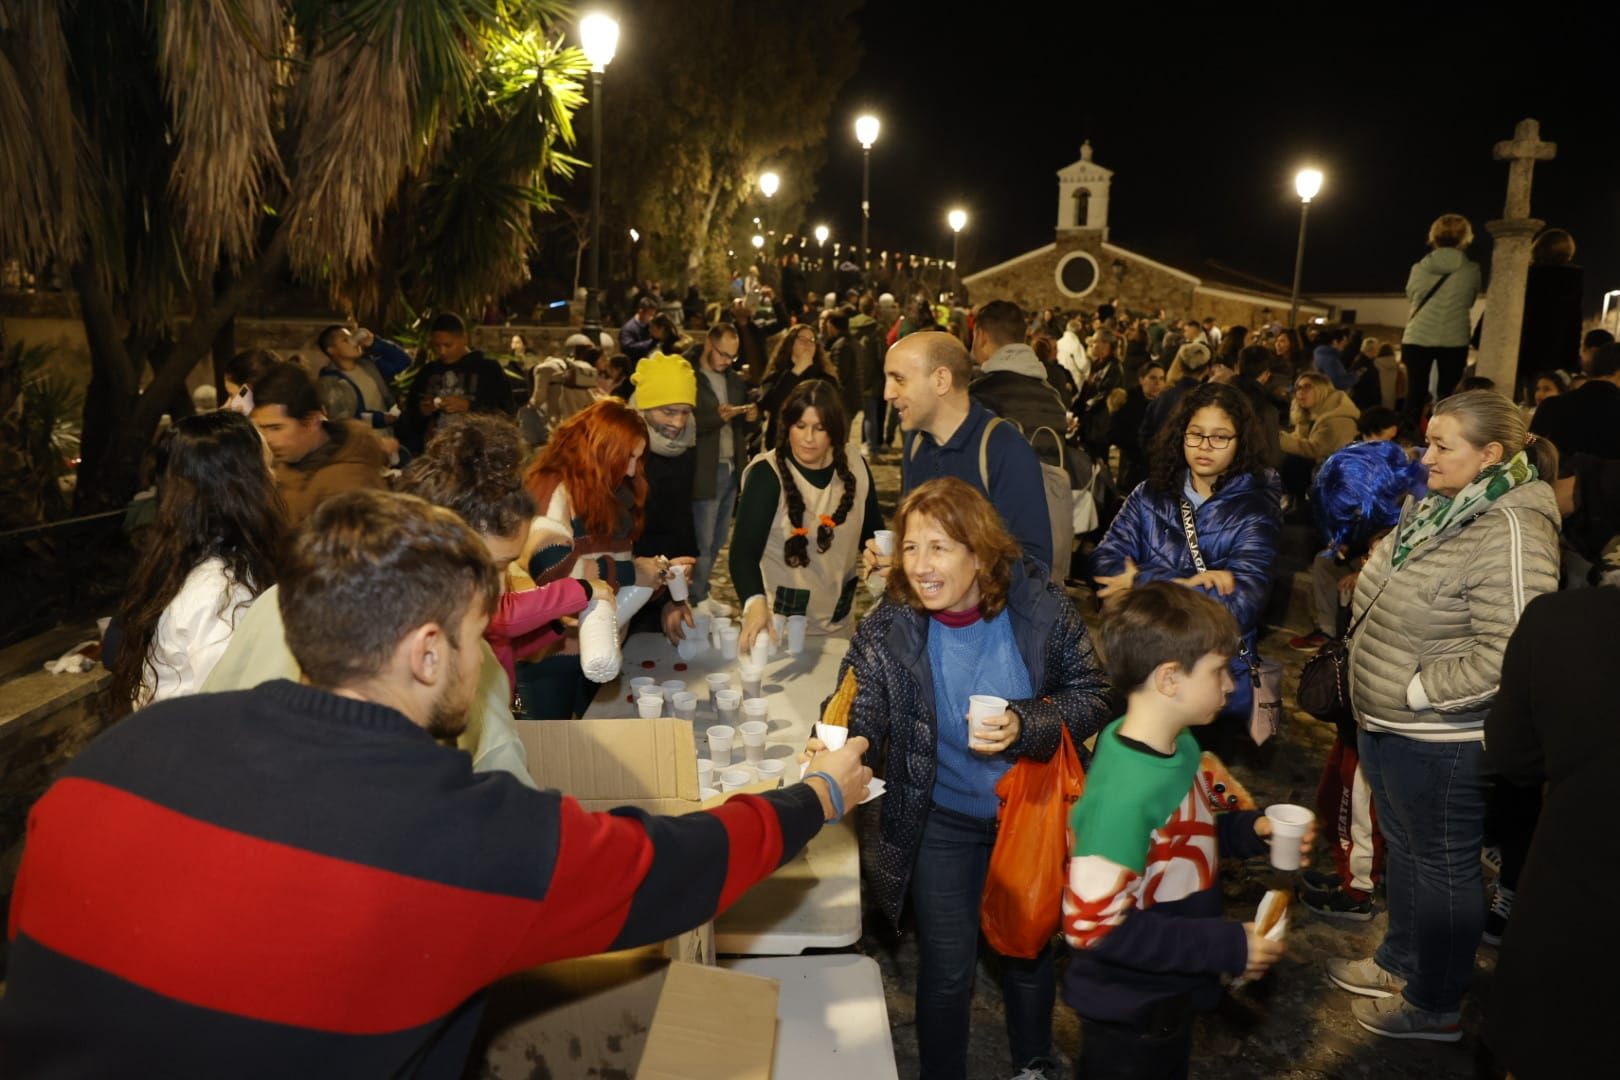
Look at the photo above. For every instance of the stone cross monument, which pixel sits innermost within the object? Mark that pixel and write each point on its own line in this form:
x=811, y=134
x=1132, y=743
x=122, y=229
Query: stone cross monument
x=1510, y=258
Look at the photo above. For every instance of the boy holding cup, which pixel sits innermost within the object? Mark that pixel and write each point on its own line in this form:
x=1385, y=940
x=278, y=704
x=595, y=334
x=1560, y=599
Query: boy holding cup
x=1142, y=908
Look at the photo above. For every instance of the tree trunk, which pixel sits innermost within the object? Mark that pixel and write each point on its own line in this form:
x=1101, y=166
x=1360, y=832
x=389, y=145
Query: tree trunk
x=694, y=259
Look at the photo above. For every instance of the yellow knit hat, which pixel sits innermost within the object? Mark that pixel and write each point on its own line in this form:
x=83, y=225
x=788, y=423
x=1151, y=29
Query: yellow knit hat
x=664, y=380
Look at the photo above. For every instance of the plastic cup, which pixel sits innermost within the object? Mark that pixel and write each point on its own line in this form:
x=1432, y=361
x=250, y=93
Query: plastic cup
x=717, y=682
x=832, y=736
x=727, y=703
x=728, y=642
x=650, y=692
x=732, y=779
x=771, y=770
x=707, y=793
x=705, y=772
x=671, y=687
x=779, y=624
x=720, y=737
x=1288, y=825
x=717, y=627
x=982, y=707
x=752, y=678
x=643, y=680
x=760, y=651
x=756, y=709
x=884, y=539
x=688, y=647
x=649, y=707
x=677, y=583
x=753, y=736
x=796, y=626
x=685, y=705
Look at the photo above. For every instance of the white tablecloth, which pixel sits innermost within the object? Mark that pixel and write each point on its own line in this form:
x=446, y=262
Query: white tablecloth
x=814, y=901
x=832, y=1023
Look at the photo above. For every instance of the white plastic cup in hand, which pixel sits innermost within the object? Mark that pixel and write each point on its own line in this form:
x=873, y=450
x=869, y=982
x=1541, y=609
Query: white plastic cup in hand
x=677, y=583
x=982, y=707
x=796, y=626
x=727, y=703
x=706, y=772
x=685, y=704
x=771, y=770
x=883, y=540
x=717, y=628
x=732, y=779
x=753, y=736
x=720, y=737
x=752, y=681
x=688, y=647
x=832, y=736
x=649, y=706
x=702, y=622
x=760, y=651
x=728, y=642
x=1288, y=825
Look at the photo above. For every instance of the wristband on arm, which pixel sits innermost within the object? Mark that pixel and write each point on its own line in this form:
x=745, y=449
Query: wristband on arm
x=833, y=793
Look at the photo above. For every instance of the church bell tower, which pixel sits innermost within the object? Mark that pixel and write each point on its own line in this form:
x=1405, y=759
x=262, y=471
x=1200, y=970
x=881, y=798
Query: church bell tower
x=1083, y=195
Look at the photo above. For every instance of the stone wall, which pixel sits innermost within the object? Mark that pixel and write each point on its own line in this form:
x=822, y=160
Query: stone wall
x=1032, y=284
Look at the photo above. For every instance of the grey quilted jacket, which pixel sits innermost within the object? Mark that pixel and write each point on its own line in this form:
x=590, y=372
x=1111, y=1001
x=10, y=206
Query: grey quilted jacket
x=1446, y=616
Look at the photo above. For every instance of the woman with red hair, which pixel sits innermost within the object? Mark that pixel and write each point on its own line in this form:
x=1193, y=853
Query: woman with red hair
x=590, y=489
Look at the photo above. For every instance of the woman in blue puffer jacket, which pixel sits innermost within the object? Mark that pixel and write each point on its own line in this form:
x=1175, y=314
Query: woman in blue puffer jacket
x=1211, y=454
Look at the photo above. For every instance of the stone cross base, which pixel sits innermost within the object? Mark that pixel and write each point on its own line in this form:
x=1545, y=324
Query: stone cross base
x=1504, y=301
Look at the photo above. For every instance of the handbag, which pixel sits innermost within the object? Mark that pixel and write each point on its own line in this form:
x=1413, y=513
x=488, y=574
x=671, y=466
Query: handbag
x=1265, y=676
x=1324, y=682
x=1022, y=903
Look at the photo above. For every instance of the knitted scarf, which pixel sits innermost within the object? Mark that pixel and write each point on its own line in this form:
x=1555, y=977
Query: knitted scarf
x=1436, y=513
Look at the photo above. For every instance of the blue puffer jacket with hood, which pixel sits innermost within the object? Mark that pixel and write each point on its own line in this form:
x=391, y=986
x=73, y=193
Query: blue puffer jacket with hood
x=1239, y=528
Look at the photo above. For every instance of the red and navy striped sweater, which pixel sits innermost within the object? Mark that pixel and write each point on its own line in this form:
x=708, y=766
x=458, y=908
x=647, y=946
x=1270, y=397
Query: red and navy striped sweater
x=285, y=882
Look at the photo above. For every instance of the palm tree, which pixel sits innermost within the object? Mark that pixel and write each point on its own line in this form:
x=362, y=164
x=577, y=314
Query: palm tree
x=179, y=156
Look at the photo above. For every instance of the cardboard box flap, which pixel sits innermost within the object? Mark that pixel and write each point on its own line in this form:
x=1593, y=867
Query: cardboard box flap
x=711, y=1024
x=616, y=762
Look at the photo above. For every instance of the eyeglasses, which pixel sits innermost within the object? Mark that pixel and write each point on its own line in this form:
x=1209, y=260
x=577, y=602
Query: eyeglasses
x=723, y=354
x=1214, y=442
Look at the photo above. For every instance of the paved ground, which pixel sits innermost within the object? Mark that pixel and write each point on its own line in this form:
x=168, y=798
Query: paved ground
x=1291, y=1025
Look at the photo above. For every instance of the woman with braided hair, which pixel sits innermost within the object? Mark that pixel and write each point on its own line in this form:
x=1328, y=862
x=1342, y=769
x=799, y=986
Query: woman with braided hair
x=803, y=518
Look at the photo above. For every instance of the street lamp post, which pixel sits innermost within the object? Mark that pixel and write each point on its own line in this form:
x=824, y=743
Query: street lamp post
x=1307, y=182
x=866, y=130
x=957, y=218
x=821, y=232
x=599, y=38
x=769, y=184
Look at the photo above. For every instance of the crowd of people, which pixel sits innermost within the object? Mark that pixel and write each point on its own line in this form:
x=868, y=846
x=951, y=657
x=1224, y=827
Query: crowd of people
x=359, y=579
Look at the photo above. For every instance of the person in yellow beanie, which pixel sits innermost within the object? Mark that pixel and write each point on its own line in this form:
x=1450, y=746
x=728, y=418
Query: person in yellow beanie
x=665, y=396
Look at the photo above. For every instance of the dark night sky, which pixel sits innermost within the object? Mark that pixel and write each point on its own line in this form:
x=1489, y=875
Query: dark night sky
x=1204, y=119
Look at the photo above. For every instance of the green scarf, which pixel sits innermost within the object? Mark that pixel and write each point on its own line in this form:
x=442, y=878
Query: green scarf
x=1436, y=513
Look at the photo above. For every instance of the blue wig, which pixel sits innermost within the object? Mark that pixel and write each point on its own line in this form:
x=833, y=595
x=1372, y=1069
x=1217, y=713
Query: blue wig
x=1359, y=490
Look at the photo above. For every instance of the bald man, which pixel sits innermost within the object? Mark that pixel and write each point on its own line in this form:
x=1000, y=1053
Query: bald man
x=925, y=379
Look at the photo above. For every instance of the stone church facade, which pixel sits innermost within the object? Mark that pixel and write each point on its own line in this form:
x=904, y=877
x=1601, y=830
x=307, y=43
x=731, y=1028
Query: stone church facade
x=1082, y=268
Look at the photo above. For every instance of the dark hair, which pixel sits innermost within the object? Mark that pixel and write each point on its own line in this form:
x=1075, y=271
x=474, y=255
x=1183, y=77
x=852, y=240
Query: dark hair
x=473, y=466
x=329, y=335
x=667, y=325
x=289, y=386
x=367, y=568
x=249, y=365
x=1167, y=460
x=216, y=499
x=1002, y=321
x=1597, y=338
x=838, y=319
x=720, y=330
x=1232, y=344
x=782, y=358
x=1606, y=361
x=1376, y=418
x=448, y=323
x=822, y=396
x=1254, y=361
x=964, y=514
x=1162, y=623
x=646, y=303
x=1476, y=382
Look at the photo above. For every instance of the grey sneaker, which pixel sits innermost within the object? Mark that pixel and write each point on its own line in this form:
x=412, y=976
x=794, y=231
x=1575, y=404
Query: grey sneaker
x=1364, y=977
x=1397, y=1018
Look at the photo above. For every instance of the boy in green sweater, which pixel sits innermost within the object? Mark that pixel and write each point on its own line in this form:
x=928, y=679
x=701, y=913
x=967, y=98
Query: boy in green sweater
x=1142, y=909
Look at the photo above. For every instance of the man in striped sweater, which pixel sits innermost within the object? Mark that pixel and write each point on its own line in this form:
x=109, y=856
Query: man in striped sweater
x=298, y=880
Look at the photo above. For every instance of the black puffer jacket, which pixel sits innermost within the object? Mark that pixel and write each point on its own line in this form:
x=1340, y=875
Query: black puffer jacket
x=894, y=708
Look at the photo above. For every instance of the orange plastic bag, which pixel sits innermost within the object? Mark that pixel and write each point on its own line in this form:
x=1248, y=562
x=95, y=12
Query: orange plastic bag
x=1023, y=890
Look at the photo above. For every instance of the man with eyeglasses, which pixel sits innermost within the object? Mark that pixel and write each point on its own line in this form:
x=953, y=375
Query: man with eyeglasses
x=725, y=419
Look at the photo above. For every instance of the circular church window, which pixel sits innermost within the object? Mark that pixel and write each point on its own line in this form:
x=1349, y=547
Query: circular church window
x=1077, y=274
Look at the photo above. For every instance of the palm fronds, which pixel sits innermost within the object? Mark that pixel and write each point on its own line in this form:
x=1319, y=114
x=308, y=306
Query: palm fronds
x=39, y=168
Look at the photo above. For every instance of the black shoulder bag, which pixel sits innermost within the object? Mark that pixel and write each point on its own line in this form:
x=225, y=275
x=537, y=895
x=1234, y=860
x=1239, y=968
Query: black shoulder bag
x=1324, y=682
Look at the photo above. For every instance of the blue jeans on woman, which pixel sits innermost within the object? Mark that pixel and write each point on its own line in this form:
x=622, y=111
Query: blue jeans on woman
x=711, y=520
x=947, y=883
x=1431, y=808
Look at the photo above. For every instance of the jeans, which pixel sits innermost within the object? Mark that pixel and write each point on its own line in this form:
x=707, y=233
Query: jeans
x=711, y=519
x=1161, y=1050
x=947, y=883
x=872, y=421
x=1430, y=800
x=1419, y=360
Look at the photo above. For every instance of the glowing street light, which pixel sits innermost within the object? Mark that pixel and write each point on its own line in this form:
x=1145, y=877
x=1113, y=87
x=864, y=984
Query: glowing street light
x=758, y=241
x=956, y=219
x=599, y=38
x=1307, y=183
x=769, y=183
x=822, y=232
x=866, y=131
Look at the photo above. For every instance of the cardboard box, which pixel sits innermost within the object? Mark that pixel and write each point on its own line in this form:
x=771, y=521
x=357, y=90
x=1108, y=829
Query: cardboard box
x=629, y=1014
x=663, y=1012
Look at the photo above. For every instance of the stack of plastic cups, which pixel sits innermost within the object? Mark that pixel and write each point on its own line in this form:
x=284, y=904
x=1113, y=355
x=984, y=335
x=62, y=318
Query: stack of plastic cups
x=717, y=682
x=728, y=703
x=720, y=737
x=728, y=642
x=650, y=706
x=752, y=680
x=779, y=624
x=796, y=626
x=717, y=628
x=685, y=705
x=753, y=735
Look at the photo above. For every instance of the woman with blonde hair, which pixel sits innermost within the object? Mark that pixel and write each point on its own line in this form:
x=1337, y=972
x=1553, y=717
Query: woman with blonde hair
x=1441, y=287
x=1434, y=607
